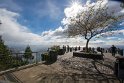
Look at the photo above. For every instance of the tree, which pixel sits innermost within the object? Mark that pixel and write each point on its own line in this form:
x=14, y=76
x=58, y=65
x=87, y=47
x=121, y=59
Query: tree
x=5, y=58
x=3, y=48
x=92, y=20
x=28, y=53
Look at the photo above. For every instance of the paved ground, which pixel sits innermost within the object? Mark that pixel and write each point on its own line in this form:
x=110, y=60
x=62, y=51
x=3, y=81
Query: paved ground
x=1, y=78
x=66, y=55
x=70, y=70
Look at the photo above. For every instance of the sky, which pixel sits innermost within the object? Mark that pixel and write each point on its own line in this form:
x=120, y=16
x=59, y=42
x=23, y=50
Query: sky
x=41, y=22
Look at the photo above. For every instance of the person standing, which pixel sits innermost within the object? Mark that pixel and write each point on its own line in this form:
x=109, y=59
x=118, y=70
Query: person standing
x=68, y=48
x=113, y=50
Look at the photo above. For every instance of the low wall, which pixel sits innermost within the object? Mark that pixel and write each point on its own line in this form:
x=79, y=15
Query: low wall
x=86, y=55
x=19, y=68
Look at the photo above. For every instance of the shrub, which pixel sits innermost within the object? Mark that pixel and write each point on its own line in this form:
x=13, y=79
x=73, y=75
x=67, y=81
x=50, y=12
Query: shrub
x=45, y=56
x=55, y=48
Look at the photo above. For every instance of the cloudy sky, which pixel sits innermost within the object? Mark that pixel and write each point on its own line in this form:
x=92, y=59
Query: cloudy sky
x=41, y=22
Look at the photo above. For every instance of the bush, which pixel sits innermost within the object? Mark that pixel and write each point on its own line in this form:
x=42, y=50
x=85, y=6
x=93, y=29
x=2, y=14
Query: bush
x=53, y=55
x=55, y=48
x=45, y=56
x=61, y=51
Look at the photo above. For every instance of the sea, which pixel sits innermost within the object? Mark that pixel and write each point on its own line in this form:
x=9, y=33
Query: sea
x=37, y=51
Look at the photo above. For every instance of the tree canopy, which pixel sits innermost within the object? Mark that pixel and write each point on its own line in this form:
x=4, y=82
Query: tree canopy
x=5, y=58
x=91, y=20
x=28, y=53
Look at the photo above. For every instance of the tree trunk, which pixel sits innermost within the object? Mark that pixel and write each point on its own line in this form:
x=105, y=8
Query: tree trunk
x=87, y=45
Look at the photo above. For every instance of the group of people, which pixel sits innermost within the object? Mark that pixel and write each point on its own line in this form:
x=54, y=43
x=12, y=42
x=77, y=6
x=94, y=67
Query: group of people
x=70, y=49
x=115, y=50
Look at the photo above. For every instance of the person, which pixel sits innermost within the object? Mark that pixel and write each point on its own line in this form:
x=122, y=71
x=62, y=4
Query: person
x=79, y=48
x=67, y=48
x=113, y=50
x=64, y=48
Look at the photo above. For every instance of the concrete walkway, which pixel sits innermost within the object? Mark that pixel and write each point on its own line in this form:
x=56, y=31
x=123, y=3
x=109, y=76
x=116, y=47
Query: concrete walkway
x=67, y=70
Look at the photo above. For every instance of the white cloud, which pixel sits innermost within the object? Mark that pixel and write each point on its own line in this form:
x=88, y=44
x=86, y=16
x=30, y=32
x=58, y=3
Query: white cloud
x=57, y=32
x=116, y=33
x=77, y=8
x=110, y=42
x=112, y=5
x=15, y=33
x=73, y=10
x=122, y=24
x=48, y=8
x=57, y=37
x=111, y=38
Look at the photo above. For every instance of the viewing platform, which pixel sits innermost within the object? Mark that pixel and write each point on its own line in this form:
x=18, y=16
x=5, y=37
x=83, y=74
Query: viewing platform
x=67, y=69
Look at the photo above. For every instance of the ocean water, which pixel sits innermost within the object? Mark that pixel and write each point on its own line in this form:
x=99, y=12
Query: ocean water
x=37, y=57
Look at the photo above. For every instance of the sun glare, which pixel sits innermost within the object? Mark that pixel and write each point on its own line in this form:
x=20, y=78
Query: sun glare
x=74, y=8
x=75, y=3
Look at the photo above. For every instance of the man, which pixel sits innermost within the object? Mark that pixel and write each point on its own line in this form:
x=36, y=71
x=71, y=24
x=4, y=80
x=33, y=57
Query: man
x=113, y=50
